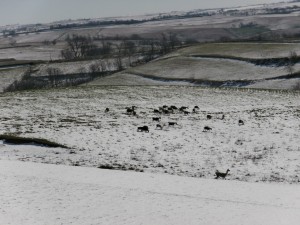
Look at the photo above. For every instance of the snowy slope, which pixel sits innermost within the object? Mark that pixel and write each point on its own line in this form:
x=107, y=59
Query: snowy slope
x=265, y=149
x=35, y=194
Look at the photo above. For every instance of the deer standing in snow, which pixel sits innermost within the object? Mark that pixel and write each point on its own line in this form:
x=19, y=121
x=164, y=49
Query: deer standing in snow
x=222, y=175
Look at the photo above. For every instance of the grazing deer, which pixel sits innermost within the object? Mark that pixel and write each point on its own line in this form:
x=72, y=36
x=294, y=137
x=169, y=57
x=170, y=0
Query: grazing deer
x=143, y=128
x=209, y=117
x=207, y=128
x=165, y=111
x=172, y=123
x=182, y=108
x=130, y=110
x=158, y=126
x=241, y=122
x=156, y=118
x=222, y=175
x=186, y=112
x=156, y=111
x=106, y=110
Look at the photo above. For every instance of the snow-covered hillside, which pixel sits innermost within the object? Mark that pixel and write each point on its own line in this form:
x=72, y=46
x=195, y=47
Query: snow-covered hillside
x=35, y=194
x=264, y=149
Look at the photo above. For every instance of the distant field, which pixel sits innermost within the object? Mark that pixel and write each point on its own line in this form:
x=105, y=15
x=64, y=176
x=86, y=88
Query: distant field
x=180, y=66
x=248, y=31
x=41, y=52
x=206, y=69
x=192, y=65
x=8, y=76
x=244, y=50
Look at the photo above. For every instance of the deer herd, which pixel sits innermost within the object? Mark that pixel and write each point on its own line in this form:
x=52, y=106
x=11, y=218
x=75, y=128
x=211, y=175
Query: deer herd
x=168, y=110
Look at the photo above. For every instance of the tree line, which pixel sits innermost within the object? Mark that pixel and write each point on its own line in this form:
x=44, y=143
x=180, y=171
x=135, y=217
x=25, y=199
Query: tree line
x=87, y=47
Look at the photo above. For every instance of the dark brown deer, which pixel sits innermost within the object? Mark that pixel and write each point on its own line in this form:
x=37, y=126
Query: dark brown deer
x=130, y=110
x=182, y=108
x=143, y=128
x=207, y=128
x=222, y=175
x=156, y=111
x=172, y=123
x=241, y=122
x=158, y=126
x=156, y=118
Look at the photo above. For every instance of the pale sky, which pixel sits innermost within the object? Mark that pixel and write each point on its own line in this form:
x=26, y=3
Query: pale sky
x=41, y=11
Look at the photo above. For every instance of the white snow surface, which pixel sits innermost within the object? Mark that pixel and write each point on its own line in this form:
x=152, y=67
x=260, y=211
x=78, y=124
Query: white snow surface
x=265, y=149
x=35, y=194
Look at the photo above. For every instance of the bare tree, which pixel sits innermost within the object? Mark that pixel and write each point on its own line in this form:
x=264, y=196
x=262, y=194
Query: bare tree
x=106, y=46
x=27, y=74
x=82, y=70
x=297, y=86
x=54, y=42
x=117, y=62
x=53, y=74
x=173, y=40
x=107, y=65
x=67, y=54
x=129, y=49
x=290, y=68
x=12, y=42
x=164, y=43
x=78, y=47
x=96, y=67
x=153, y=48
x=46, y=42
x=293, y=59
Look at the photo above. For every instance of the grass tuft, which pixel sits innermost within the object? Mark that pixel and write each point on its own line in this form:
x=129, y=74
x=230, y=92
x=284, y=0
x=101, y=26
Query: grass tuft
x=12, y=139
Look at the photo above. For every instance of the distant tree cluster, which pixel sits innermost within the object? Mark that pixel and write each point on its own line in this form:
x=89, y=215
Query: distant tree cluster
x=89, y=23
x=119, y=48
x=292, y=60
x=54, y=78
x=78, y=47
x=247, y=25
x=286, y=10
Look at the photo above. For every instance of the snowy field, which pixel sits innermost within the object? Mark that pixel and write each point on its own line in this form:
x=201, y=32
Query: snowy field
x=264, y=149
x=32, y=53
x=208, y=69
x=9, y=75
x=35, y=194
x=127, y=78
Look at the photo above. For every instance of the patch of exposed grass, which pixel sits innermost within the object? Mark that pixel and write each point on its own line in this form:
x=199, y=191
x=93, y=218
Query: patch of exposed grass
x=12, y=139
